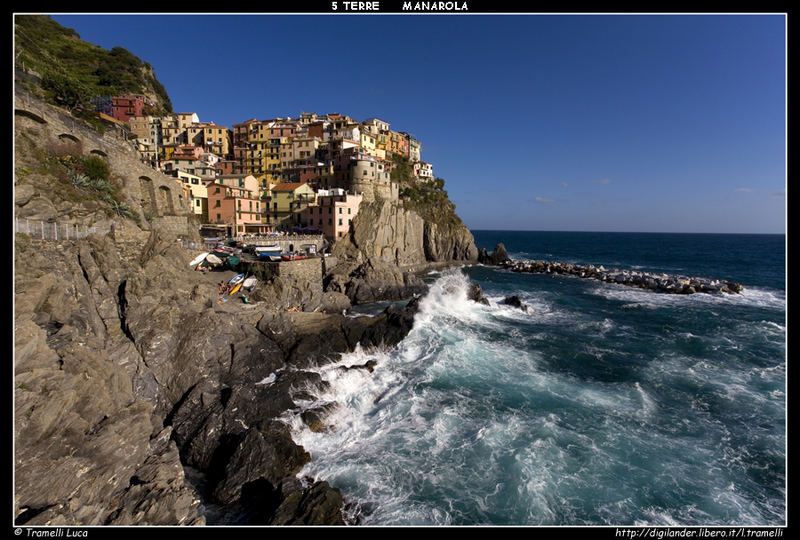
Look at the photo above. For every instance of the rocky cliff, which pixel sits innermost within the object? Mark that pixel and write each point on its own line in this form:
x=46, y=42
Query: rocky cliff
x=127, y=371
x=390, y=243
x=138, y=397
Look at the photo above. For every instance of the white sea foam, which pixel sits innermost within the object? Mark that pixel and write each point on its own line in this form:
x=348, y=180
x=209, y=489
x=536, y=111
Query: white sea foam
x=269, y=379
x=461, y=420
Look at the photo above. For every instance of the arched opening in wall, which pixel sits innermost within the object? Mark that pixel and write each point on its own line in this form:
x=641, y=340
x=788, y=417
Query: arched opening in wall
x=165, y=197
x=68, y=137
x=27, y=114
x=148, y=196
x=68, y=144
x=99, y=153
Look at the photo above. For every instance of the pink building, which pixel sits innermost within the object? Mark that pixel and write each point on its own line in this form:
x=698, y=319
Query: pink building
x=238, y=208
x=332, y=213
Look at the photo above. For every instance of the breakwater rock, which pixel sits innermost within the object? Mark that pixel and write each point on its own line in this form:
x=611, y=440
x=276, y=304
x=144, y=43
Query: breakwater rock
x=659, y=282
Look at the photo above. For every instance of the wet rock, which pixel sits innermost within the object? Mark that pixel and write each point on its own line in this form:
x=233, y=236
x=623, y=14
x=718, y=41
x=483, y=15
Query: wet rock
x=267, y=452
x=475, y=293
x=315, y=417
x=318, y=504
x=515, y=302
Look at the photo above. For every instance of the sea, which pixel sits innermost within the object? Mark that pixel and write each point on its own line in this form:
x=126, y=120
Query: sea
x=598, y=405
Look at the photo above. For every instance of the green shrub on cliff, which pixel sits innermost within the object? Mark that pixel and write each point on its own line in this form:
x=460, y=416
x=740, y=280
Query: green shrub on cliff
x=430, y=201
x=72, y=68
x=402, y=170
x=66, y=90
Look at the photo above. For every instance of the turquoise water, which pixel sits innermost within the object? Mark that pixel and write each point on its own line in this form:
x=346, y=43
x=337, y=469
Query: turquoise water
x=600, y=405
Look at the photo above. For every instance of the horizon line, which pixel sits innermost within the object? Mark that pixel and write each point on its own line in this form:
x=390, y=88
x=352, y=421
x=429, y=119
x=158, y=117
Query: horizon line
x=624, y=232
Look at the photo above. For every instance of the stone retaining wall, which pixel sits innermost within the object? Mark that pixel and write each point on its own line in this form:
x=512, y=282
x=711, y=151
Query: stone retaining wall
x=145, y=189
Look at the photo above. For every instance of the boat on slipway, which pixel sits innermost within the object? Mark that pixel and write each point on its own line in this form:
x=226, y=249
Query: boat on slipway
x=268, y=253
x=200, y=258
x=237, y=279
x=293, y=256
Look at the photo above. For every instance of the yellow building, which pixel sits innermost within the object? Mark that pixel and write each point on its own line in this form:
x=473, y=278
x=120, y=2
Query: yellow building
x=261, y=148
x=198, y=194
x=368, y=142
x=286, y=201
x=213, y=138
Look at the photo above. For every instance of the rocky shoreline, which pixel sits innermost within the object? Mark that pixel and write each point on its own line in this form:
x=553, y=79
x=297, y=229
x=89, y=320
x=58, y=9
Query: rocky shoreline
x=128, y=373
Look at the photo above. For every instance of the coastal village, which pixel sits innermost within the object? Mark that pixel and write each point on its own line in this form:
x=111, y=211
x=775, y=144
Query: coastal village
x=280, y=175
x=145, y=393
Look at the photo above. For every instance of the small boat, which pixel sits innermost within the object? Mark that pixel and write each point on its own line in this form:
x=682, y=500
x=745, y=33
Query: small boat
x=235, y=280
x=235, y=289
x=199, y=258
x=213, y=260
x=258, y=250
x=223, y=252
x=293, y=256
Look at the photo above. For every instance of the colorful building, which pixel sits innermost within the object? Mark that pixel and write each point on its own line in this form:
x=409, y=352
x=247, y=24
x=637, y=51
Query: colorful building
x=198, y=194
x=237, y=208
x=212, y=138
x=423, y=170
x=122, y=107
x=397, y=143
x=285, y=201
x=332, y=213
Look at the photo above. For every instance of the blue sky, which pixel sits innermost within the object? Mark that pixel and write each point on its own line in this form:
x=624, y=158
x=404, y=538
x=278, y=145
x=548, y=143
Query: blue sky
x=644, y=123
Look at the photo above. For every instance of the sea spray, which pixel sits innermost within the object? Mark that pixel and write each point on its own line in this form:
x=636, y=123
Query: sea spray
x=598, y=406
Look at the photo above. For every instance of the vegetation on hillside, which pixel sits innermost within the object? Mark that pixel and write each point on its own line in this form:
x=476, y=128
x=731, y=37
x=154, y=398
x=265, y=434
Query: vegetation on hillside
x=426, y=197
x=74, y=71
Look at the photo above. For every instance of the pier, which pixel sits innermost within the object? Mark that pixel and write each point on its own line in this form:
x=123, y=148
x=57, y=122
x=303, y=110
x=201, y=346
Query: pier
x=664, y=283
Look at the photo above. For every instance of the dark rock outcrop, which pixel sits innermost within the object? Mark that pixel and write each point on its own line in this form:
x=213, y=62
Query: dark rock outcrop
x=388, y=246
x=515, y=302
x=374, y=281
x=495, y=258
x=475, y=293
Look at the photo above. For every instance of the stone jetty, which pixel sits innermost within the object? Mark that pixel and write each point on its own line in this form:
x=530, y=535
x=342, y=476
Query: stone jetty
x=665, y=283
